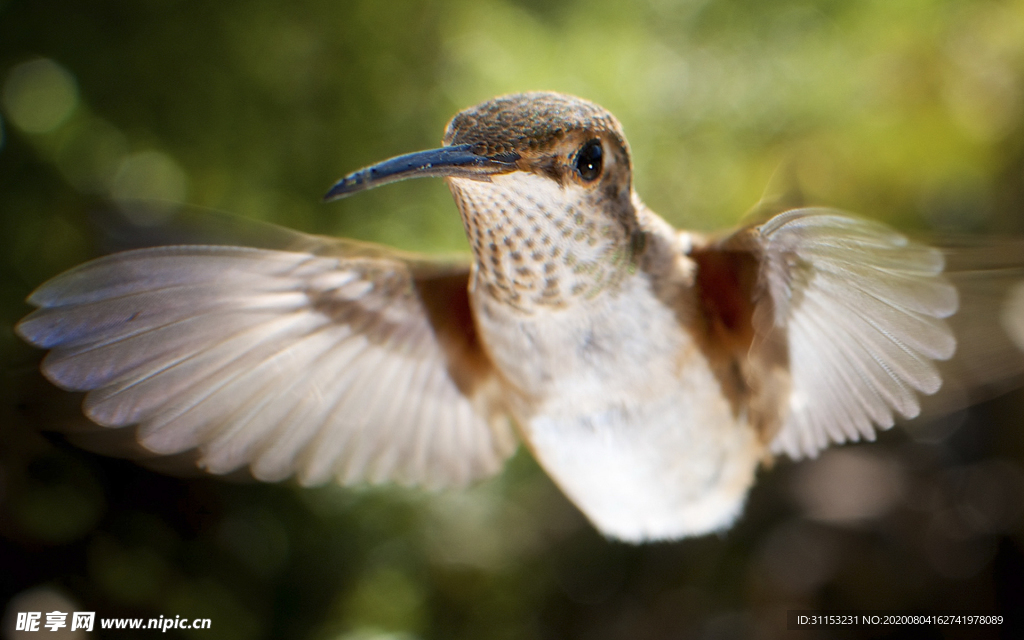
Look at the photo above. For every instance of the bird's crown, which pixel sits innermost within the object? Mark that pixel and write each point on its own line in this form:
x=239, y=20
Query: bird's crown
x=529, y=122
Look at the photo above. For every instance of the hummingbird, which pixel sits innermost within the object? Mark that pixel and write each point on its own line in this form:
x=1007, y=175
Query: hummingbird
x=650, y=371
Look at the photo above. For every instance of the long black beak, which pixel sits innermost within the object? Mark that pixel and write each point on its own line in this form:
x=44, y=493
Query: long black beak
x=459, y=160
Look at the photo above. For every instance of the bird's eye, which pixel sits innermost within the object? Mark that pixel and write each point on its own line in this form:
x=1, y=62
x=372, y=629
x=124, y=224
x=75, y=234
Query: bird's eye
x=589, y=160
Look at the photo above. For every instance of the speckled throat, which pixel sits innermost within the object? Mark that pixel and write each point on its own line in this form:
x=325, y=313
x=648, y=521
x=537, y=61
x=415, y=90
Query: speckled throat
x=541, y=244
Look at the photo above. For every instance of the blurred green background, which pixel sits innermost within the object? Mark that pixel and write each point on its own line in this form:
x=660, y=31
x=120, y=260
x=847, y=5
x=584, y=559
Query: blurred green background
x=910, y=111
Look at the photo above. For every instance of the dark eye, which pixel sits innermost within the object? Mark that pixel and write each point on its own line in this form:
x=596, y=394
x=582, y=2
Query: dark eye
x=588, y=160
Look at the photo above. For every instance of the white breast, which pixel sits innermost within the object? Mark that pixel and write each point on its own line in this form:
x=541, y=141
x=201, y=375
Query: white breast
x=621, y=409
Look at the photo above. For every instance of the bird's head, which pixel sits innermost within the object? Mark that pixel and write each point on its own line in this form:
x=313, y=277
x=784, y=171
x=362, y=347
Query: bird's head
x=543, y=182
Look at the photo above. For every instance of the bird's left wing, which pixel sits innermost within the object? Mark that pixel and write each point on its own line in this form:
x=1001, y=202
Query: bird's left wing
x=863, y=308
x=857, y=312
x=339, y=362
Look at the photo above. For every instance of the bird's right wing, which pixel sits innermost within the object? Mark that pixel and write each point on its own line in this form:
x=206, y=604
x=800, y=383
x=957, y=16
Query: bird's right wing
x=354, y=366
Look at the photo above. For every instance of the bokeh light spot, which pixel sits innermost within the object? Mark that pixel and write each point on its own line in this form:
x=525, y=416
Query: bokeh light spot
x=388, y=599
x=91, y=154
x=847, y=486
x=799, y=557
x=39, y=95
x=149, y=186
x=1013, y=314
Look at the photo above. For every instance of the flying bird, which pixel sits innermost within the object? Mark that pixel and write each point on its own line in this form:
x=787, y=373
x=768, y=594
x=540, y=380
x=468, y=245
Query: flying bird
x=649, y=370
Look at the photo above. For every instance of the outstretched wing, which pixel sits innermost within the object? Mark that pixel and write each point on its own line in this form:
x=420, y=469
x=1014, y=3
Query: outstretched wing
x=862, y=309
x=352, y=364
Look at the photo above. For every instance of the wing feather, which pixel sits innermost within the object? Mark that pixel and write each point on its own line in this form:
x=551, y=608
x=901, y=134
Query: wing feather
x=864, y=314
x=316, y=364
